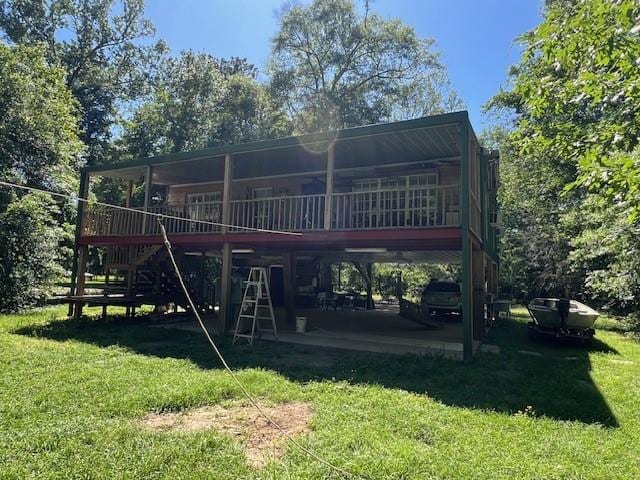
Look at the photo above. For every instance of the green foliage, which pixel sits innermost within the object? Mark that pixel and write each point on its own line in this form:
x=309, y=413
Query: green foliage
x=571, y=177
x=99, y=44
x=39, y=146
x=415, y=276
x=575, y=90
x=608, y=251
x=38, y=131
x=73, y=394
x=336, y=65
x=29, y=261
x=535, y=237
x=200, y=101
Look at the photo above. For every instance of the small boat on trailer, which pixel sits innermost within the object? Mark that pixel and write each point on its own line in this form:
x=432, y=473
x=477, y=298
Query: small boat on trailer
x=561, y=317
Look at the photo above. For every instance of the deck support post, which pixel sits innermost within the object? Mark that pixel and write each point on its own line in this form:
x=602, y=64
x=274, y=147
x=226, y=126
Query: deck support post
x=289, y=280
x=369, y=280
x=399, y=285
x=225, y=289
x=83, y=193
x=147, y=196
x=466, y=287
x=477, y=276
x=226, y=312
x=328, y=200
x=80, y=278
x=226, y=191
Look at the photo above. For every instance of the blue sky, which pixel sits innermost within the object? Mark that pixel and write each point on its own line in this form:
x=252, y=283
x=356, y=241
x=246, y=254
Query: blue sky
x=476, y=37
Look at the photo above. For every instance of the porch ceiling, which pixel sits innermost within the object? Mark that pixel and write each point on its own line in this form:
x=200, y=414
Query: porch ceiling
x=271, y=256
x=391, y=256
x=429, y=140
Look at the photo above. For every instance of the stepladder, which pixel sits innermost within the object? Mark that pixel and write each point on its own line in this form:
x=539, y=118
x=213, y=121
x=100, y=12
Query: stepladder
x=256, y=309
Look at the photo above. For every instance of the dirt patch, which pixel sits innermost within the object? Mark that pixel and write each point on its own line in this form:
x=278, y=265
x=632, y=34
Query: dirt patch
x=261, y=440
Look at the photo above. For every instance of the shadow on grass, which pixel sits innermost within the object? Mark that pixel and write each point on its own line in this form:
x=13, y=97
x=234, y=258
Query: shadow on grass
x=556, y=384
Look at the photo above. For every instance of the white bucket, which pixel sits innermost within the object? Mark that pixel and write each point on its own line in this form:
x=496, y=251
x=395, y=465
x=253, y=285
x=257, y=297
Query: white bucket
x=301, y=324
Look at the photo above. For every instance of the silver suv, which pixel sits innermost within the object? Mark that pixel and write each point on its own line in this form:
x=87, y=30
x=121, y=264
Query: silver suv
x=442, y=297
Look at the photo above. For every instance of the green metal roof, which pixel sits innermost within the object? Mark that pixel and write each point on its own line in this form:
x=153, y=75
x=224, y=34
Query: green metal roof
x=294, y=141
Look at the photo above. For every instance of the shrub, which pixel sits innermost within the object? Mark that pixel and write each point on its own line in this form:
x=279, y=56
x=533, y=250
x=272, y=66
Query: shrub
x=29, y=245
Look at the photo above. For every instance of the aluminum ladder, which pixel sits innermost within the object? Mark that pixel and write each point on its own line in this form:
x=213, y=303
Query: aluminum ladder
x=256, y=307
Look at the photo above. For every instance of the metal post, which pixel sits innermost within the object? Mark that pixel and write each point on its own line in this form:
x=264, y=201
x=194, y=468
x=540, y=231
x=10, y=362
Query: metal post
x=226, y=192
x=328, y=201
x=369, y=280
x=225, y=290
x=82, y=193
x=80, y=277
x=466, y=288
x=147, y=196
x=288, y=271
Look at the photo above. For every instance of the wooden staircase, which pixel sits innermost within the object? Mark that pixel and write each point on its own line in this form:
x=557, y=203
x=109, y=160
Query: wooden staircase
x=128, y=256
x=138, y=264
x=143, y=270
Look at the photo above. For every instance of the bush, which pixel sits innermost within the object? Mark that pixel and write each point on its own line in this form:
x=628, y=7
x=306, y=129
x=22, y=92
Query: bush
x=28, y=251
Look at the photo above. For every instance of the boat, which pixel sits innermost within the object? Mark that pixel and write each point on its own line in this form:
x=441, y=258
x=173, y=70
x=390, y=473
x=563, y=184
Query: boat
x=561, y=317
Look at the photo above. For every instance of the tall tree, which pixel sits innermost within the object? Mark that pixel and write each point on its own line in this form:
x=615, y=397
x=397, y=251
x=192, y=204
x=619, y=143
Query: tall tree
x=100, y=44
x=576, y=104
x=336, y=64
x=39, y=146
x=201, y=101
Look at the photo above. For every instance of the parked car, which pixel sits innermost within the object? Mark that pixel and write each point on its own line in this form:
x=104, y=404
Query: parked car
x=442, y=297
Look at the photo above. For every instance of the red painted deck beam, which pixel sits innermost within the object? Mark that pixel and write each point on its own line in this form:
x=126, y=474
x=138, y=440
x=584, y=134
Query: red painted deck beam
x=439, y=238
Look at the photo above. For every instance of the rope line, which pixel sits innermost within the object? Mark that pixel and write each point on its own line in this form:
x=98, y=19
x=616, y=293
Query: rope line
x=224, y=363
x=245, y=392
x=143, y=212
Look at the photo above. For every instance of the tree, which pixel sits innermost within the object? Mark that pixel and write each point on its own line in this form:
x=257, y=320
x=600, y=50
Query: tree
x=535, y=236
x=39, y=143
x=200, y=101
x=336, y=65
x=575, y=174
x=40, y=147
x=98, y=41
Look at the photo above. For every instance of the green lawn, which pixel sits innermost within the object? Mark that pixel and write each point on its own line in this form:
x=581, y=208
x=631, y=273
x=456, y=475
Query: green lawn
x=71, y=395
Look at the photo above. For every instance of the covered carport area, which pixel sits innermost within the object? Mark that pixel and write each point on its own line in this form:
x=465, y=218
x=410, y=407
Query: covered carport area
x=381, y=330
x=355, y=326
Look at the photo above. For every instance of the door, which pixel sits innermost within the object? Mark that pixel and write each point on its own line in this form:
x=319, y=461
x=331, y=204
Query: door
x=276, y=285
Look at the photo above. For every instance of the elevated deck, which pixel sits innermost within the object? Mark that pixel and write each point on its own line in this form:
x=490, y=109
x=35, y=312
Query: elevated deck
x=444, y=238
x=420, y=190
x=354, y=215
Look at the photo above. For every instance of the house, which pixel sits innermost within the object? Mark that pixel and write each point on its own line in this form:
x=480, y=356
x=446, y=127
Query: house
x=420, y=190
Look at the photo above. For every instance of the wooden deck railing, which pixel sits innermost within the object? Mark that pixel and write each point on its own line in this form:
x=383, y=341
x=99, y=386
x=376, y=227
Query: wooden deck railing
x=420, y=207
x=290, y=213
x=106, y=221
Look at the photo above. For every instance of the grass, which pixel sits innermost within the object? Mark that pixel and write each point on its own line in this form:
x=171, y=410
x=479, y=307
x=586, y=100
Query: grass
x=71, y=394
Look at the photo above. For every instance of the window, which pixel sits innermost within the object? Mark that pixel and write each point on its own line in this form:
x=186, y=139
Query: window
x=262, y=192
x=402, y=183
x=395, y=201
x=262, y=209
x=423, y=179
x=204, y=206
x=203, y=197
